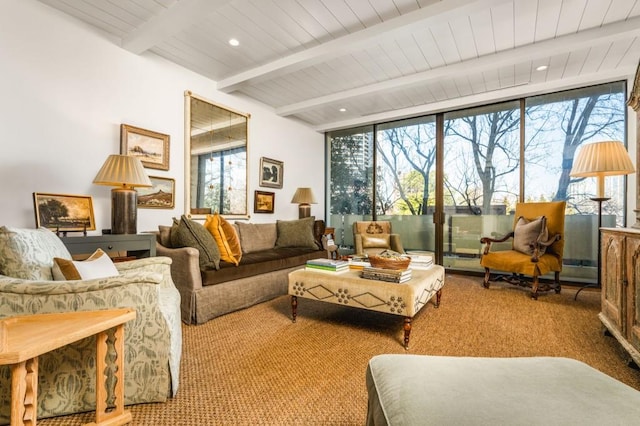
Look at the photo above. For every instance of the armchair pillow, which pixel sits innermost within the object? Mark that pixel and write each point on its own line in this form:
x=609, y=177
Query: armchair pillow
x=528, y=232
x=225, y=237
x=296, y=233
x=376, y=241
x=98, y=265
x=189, y=233
x=28, y=253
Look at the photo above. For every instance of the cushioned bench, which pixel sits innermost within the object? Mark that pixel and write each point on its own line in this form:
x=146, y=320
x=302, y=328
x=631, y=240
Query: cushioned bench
x=422, y=390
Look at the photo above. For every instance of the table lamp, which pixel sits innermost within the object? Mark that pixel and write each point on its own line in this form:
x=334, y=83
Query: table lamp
x=600, y=159
x=304, y=197
x=125, y=173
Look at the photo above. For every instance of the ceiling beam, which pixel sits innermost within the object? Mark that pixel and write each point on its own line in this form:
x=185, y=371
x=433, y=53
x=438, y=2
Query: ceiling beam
x=494, y=96
x=404, y=24
x=172, y=20
x=531, y=52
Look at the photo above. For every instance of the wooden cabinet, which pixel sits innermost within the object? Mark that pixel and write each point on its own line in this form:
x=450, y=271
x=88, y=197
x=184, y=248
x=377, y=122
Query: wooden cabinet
x=620, y=274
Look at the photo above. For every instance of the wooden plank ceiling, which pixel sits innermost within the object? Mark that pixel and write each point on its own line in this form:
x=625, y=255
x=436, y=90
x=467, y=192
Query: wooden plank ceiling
x=340, y=63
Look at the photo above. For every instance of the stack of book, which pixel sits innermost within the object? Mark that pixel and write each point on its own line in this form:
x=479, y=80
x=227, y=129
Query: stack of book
x=327, y=265
x=389, y=275
x=358, y=262
x=420, y=261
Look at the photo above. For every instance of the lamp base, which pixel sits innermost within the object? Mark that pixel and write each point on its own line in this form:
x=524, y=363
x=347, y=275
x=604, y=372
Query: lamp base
x=304, y=210
x=124, y=211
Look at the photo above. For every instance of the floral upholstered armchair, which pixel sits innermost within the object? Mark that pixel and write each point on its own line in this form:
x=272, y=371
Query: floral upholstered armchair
x=153, y=341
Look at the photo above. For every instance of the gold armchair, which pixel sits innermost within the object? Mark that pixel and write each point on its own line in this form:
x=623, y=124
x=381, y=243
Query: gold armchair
x=537, y=247
x=374, y=237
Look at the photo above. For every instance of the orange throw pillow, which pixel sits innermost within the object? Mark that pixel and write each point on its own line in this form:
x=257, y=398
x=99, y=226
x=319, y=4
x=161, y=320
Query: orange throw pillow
x=225, y=237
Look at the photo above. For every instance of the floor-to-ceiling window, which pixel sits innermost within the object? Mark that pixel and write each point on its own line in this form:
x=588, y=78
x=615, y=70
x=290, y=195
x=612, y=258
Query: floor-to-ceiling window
x=492, y=157
x=481, y=177
x=405, y=179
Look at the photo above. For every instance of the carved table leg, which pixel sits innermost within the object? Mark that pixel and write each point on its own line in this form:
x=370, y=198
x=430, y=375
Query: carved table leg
x=438, y=296
x=118, y=415
x=24, y=392
x=407, y=332
x=294, y=308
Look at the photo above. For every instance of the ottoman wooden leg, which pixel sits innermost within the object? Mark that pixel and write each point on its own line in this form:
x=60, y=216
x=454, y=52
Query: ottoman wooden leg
x=294, y=308
x=438, y=296
x=407, y=332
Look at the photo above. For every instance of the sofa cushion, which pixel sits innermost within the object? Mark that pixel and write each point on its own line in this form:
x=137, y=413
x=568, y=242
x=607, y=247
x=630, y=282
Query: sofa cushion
x=296, y=233
x=189, y=233
x=164, y=235
x=261, y=262
x=225, y=237
x=257, y=236
x=528, y=232
x=28, y=253
x=98, y=265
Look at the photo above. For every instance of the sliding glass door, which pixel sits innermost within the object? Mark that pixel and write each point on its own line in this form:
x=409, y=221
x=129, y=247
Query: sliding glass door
x=446, y=180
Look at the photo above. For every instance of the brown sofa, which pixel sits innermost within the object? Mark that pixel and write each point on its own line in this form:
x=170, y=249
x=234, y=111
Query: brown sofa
x=261, y=274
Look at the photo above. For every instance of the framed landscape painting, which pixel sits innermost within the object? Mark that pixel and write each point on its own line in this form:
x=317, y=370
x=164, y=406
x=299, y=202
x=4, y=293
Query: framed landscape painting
x=161, y=195
x=61, y=212
x=263, y=202
x=152, y=148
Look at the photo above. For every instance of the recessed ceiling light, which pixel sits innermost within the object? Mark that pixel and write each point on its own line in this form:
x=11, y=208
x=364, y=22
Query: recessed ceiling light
x=542, y=68
x=234, y=42
x=342, y=110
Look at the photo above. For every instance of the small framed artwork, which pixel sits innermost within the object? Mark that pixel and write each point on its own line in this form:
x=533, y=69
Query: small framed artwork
x=152, y=148
x=161, y=195
x=63, y=212
x=263, y=202
x=271, y=172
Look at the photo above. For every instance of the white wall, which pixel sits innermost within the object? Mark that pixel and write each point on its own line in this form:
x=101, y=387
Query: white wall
x=65, y=88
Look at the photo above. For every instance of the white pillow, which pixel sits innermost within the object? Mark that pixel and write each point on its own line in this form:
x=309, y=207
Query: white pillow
x=98, y=265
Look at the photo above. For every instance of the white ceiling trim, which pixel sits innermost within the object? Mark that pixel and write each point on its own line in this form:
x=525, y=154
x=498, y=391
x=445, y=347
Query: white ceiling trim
x=482, y=98
x=531, y=52
x=173, y=20
x=404, y=24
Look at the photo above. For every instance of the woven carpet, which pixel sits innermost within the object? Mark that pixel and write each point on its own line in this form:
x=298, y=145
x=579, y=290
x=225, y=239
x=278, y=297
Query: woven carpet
x=256, y=367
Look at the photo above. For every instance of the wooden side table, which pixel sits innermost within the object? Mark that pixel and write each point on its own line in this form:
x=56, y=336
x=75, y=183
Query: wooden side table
x=24, y=338
x=138, y=245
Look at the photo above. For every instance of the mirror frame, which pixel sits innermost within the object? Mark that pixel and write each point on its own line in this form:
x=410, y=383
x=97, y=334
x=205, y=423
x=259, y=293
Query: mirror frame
x=188, y=96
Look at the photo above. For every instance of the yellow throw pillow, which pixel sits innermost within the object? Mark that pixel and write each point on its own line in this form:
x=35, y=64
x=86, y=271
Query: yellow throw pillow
x=98, y=265
x=226, y=238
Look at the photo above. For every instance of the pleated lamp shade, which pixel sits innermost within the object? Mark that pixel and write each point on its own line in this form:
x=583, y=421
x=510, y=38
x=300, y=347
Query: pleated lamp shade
x=122, y=170
x=125, y=173
x=600, y=159
x=304, y=197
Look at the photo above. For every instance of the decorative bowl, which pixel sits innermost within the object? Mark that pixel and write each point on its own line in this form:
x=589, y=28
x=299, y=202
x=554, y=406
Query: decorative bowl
x=397, y=263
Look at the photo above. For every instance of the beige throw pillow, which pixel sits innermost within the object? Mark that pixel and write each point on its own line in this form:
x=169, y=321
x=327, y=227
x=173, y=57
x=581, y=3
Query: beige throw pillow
x=528, y=232
x=257, y=236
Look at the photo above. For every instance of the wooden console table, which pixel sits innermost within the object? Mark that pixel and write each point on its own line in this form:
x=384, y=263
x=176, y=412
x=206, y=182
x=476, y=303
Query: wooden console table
x=24, y=338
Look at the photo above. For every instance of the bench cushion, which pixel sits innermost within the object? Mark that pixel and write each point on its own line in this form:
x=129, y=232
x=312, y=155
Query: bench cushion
x=422, y=390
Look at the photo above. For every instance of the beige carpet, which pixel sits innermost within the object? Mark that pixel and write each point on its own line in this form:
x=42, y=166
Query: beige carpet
x=256, y=367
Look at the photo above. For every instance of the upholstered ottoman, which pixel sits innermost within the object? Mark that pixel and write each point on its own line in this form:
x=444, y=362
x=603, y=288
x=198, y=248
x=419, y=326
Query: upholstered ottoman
x=349, y=289
x=409, y=390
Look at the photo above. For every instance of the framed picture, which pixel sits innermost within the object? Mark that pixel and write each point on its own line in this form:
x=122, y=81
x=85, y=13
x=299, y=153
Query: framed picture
x=152, y=148
x=263, y=202
x=63, y=212
x=159, y=196
x=271, y=172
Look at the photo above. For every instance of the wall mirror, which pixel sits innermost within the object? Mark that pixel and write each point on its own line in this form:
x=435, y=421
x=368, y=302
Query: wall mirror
x=216, y=145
